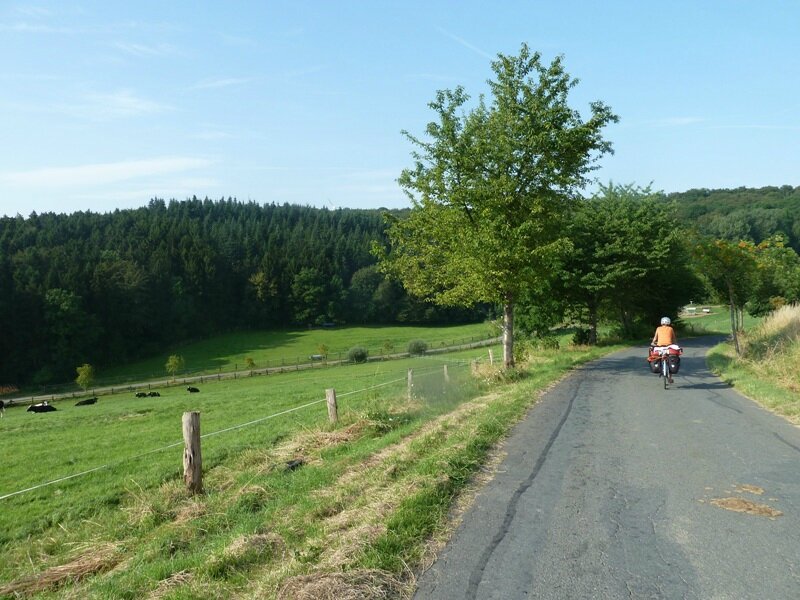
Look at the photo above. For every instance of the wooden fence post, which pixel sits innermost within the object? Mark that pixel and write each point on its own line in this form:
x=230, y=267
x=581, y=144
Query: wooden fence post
x=446, y=375
x=410, y=384
x=491, y=357
x=192, y=458
x=333, y=410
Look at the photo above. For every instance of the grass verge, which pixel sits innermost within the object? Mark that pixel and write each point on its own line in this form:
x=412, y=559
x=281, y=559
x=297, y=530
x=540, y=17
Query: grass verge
x=355, y=520
x=767, y=370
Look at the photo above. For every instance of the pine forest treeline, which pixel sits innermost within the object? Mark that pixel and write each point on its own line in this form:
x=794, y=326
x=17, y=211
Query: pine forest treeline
x=109, y=288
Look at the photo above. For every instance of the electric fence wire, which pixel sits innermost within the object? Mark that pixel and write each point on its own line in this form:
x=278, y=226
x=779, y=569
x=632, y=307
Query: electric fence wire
x=207, y=435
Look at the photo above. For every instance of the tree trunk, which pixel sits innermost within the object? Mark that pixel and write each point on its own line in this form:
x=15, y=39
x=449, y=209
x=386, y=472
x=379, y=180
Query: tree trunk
x=592, y=325
x=508, y=333
x=734, y=324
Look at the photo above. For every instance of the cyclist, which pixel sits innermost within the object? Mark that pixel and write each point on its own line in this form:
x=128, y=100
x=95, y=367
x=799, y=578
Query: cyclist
x=665, y=336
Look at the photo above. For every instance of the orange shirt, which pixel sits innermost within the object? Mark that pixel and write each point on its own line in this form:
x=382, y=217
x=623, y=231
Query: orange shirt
x=665, y=335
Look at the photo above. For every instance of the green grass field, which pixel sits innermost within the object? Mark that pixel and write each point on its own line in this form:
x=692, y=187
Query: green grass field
x=130, y=436
x=718, y=321
x=289, y=347
x=373, y=489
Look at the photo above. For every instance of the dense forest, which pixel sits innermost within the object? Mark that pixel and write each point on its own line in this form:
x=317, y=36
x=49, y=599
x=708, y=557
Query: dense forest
x=743, y=213
x=114, y=287
x=109, y=288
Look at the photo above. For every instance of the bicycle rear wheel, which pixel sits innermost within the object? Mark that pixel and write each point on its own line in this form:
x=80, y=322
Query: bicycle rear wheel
x=665, y=370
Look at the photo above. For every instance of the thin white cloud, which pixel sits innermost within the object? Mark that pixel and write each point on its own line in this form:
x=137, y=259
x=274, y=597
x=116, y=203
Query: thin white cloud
x=678, y=121
x=34, y=11
x=465, y=43
x=237, y=40
x=431, y=77
x=211, y=135
x=209, y=84
x=764, y=127
x=25, y=27
x=103, y=173
x=119, y=104
x=144, y=50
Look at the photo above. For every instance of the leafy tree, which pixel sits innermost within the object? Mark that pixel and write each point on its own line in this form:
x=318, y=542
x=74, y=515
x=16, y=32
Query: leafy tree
x=777, y=277
x=629, y=260
x=490, y=188
x=308, y=295
x=730, y=269
x=174, y=364
x=249, y=363
x=85, y=376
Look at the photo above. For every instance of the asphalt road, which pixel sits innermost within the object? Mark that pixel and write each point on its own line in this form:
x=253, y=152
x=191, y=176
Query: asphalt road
x=616, y=488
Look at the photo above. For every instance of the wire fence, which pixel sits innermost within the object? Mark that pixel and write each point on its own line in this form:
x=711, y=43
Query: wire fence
x=420, y=373
x=145, y=384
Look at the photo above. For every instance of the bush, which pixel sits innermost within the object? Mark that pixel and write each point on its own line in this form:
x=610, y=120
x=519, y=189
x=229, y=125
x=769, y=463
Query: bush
x=547, y=342
x=523, y=349
x=417, y=347
x=357, y=354
x=581, y=336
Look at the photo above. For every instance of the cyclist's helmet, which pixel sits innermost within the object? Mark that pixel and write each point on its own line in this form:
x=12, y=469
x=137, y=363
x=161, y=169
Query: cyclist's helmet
x=665, y=321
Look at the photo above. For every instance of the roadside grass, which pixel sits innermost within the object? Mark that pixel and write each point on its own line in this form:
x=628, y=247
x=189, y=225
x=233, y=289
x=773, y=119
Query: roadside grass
x=275, y=348
x=358, y=515
x=138, y=441
x=767, y=371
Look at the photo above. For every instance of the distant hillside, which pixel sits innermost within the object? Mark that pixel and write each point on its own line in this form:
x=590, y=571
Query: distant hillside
x=743, y=213
x=109, y=288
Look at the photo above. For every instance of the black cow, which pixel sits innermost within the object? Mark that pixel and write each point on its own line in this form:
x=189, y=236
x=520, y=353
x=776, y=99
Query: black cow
x=192, y=390
x=154, y=394
x=141, y=394
x=42, y=407
x=86, y=402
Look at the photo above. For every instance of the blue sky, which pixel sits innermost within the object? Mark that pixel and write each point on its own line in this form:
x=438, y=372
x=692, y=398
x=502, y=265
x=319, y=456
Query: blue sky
x=107, y=104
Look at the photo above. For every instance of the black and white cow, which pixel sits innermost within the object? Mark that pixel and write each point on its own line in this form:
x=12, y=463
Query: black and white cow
x=141, y=394
x=192, y=390
x=153, y=394
x=2, y=409
x=41, y=407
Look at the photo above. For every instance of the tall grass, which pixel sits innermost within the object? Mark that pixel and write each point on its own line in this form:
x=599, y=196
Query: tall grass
x=769, y=368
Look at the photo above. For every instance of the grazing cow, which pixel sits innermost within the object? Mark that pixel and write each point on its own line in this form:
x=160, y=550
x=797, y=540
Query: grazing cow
x=154, y=394
x=41, y=407
x=2, y=409
x=86, y=401
x=192, y=390
x=141, y=394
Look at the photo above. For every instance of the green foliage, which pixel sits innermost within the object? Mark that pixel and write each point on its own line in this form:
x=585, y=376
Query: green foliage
x=249, y=363
x=730, y=270
x=582, y=336
x=491, y=187
x=175, y=364
x=417, y=347
x=630, y=263
x=742, y=213
x=85, y=376
x=114, y=288
x=357, y=354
